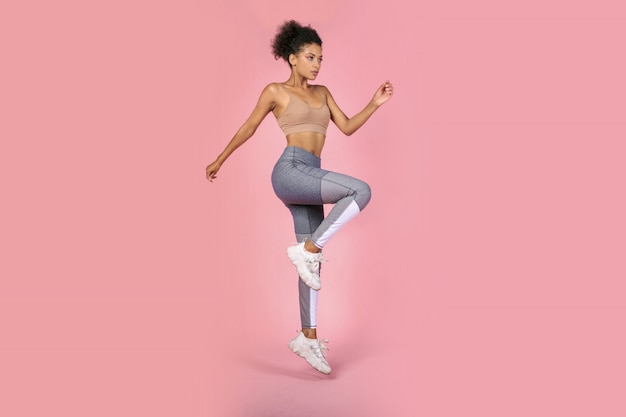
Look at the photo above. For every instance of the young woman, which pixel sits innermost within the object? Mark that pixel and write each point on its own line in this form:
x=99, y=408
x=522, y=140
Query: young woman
x=303, y=112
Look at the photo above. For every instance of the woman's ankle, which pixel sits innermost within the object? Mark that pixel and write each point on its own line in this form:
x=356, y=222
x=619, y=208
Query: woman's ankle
x=309, y=246
x=310, y=333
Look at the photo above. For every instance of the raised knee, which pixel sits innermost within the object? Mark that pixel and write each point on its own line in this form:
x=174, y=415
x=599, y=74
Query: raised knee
x=363, y=195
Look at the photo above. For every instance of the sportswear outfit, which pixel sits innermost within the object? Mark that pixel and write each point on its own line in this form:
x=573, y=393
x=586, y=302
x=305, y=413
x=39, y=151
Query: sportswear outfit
x=301, y=184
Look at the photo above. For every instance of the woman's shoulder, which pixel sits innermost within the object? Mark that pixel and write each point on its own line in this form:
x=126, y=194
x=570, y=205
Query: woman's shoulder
x=274, y=90
x=322, y=89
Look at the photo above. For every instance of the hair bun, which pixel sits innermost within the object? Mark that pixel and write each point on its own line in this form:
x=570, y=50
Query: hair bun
x=290, y=37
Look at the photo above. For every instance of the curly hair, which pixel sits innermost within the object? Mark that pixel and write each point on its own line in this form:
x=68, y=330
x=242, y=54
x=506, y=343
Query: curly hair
x=290, y=37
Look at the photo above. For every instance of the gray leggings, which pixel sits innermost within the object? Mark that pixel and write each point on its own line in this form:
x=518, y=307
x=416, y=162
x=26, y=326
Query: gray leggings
x=300, y=183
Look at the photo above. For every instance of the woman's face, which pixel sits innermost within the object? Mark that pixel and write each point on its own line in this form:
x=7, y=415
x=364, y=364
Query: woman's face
x=308, y=61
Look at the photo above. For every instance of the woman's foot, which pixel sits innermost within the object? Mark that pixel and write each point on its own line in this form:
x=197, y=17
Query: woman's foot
x=312, y=350
x=307, y=264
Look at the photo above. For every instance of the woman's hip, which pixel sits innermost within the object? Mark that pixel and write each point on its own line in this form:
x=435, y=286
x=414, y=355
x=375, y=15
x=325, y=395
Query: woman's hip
x=297, y=176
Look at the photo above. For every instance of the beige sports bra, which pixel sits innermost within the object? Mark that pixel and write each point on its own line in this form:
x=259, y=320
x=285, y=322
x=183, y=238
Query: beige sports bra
x=299, y=117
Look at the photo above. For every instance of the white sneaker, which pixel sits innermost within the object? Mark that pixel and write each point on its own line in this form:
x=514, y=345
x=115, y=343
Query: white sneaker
x=312, y=350
x=307, y=264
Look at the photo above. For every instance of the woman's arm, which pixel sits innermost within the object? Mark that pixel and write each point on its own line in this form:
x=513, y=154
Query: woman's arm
x=350, y=125
x=265, y=105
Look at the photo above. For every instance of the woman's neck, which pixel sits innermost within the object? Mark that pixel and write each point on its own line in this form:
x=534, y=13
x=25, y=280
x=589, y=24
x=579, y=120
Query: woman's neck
x=295, y=80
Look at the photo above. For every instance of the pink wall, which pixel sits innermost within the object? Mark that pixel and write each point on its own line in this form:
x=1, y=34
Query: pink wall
x=486, y=278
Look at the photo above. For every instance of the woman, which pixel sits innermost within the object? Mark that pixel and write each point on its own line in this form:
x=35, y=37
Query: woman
x=303, y=112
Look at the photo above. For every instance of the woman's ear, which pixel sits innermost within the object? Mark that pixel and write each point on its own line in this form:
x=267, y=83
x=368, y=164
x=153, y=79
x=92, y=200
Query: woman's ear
x=292, y=59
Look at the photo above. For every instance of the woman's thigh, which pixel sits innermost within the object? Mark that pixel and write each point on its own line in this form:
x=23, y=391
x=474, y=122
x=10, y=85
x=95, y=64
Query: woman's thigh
x=307, y=185
x=298, y=183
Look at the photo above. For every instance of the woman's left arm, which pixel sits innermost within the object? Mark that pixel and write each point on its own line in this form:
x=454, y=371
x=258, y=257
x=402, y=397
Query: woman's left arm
x=350, y=125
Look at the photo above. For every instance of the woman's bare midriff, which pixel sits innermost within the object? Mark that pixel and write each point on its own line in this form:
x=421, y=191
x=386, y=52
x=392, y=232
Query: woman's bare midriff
x=309, y=141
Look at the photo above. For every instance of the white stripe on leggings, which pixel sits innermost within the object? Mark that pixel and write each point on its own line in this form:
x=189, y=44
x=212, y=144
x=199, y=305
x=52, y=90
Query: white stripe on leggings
x=313, y=308
x=350, y=213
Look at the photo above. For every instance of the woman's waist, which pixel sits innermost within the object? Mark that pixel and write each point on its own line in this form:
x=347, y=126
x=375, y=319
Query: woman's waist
x=309, y=141
x=296, y=155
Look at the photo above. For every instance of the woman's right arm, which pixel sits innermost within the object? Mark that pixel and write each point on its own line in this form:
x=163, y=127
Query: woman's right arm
x=265, y=105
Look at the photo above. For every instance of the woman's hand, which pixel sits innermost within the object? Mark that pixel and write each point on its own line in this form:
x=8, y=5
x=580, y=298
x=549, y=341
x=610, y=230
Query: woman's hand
x=211, y=170
x=384, y=93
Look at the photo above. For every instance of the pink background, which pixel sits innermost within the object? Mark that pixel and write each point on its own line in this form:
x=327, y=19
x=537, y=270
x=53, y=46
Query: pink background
x=486, y=278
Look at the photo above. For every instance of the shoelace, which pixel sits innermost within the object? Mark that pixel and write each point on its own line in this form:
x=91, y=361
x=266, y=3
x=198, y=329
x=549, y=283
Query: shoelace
x=319, y=348
x=316, y=262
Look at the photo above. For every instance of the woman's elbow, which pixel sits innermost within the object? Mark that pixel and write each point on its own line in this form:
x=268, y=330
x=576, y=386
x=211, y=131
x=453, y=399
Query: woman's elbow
x=247, y=131
x=346, y=130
